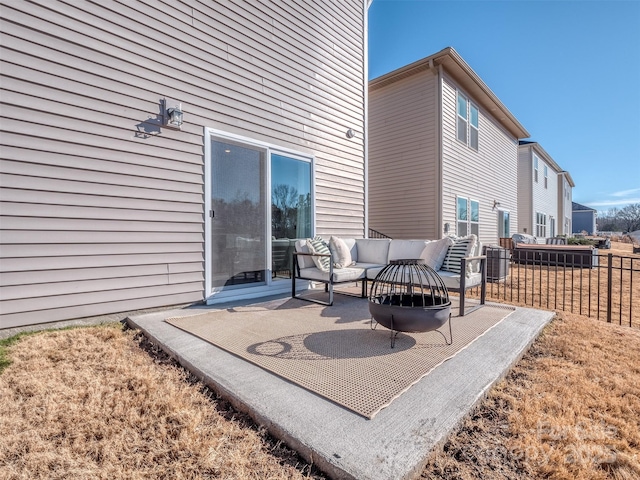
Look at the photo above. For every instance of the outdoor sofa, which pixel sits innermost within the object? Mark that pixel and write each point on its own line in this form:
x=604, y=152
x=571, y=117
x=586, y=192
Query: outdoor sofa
x=348, y=260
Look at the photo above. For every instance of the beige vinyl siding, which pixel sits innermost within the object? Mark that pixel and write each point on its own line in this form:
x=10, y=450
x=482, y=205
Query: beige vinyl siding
x=564, y=204
x=525, y=191
x=403, y=156
x=485, y=175
x=102, y=208
x=545, y=200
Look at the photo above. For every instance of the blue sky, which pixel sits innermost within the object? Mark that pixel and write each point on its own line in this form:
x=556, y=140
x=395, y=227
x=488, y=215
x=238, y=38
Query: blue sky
x=569, y=71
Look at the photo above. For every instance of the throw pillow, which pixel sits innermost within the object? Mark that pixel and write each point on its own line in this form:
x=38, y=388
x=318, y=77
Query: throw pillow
x=435, y=252
x=341, y=253
x=462, y=247
x=318, y=245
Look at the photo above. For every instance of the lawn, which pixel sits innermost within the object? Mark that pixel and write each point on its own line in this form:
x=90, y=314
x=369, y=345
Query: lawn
x=100, y=402
x=578, y=290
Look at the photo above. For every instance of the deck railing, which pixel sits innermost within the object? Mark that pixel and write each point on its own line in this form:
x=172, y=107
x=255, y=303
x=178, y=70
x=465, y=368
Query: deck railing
x=376, y=234
x=602, y=286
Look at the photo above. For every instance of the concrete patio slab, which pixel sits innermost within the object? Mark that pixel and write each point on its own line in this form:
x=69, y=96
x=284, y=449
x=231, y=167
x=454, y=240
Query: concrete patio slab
x=396, y=443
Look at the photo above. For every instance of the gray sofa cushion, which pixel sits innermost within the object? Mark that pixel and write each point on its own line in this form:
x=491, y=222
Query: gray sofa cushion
x=303, y=260
x=452, y=280
x=373, y=250
x=349, y=274
x=435, y=252
x=406, y=249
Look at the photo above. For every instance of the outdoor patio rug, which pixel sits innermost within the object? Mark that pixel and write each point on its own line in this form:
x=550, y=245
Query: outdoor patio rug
x=332, y=351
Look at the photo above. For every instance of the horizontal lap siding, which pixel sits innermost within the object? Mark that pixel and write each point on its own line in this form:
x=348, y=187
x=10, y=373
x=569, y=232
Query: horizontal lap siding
x=486, y=175
x=102, y=207
x=403, y=178
x=564, y=204
x=545, y=200
x=313, y=75
x=525, y=190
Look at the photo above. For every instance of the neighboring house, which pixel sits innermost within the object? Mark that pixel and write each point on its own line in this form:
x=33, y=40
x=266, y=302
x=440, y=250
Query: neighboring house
x=106, y=208
x=565, y=203
x=443, y=153
x=544, y=193
x=584, y=219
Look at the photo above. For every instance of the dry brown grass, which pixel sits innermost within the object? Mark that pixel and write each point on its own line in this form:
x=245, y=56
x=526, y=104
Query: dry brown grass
x=90, y=403
x=570, y=409
x=580, y=291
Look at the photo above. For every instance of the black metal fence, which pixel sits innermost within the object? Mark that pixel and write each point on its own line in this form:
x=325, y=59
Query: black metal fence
x=602, y=286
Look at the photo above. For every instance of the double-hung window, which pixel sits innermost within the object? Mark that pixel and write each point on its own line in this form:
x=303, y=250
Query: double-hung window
x=467, y=122
x=467, y=216
x=541, y=225
x=473, y=127
x=535, y=169
x=546, y=177
x=461, y=128
x=474, y=218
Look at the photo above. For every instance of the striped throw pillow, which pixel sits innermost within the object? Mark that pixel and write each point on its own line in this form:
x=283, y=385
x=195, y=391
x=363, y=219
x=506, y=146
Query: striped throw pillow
x=462, y=247
x=318, y=245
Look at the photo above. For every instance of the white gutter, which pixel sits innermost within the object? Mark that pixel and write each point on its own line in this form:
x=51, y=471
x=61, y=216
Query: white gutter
x=365, y=83
x=440, y=162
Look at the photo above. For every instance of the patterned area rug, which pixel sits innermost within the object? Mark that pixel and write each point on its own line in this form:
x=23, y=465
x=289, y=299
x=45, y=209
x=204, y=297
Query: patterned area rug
x=333, y=351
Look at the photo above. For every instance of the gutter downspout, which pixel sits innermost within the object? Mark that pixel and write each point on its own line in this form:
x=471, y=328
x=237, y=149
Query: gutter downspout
x=439, y=159
x=365, y=36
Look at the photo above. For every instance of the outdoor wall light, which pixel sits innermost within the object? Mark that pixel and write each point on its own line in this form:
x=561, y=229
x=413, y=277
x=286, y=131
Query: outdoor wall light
x=173, y=116
x=496, y=204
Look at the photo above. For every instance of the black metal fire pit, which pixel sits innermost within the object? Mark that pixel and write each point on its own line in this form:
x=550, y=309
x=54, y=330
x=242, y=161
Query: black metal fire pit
x=409, y=296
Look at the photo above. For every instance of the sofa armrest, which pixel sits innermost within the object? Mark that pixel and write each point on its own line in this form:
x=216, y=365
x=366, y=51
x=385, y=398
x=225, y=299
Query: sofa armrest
x=308, y=254
x=477, y=257
x=296, y=265
x=483, y=284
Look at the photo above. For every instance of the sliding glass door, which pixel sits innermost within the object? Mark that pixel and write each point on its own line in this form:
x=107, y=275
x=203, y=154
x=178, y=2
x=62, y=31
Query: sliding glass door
x=238, y=221
x=260, y=201
x=290, y=209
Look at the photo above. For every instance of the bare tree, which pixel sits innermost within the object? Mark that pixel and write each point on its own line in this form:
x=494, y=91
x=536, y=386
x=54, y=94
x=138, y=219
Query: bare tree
x=629, y=217
x=284, y=208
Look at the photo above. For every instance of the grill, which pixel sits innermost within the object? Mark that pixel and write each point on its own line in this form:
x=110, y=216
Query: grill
x=409, y=296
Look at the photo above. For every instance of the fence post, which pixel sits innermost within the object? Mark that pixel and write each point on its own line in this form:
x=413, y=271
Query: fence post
x=609, y=286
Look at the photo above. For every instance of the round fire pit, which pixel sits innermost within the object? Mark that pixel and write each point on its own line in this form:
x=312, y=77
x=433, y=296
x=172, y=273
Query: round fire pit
x=409, y=296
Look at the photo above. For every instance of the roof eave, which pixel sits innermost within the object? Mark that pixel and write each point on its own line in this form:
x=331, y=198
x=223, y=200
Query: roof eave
x=546, y=156
x=455, y=66
x=567, y=175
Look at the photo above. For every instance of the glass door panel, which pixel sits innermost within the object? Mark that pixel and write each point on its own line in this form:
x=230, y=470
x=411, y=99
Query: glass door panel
x=290, y=209
x=503, y=224
x=238, y=203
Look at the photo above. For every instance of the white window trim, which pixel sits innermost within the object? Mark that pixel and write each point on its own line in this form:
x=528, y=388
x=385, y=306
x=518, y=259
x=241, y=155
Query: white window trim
x=216, y=295
x=541, y=225
x=468, y=221
x=536, y=166
x=471, y=222
x=477, y=129
x=468, y=126
x=459, y=118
